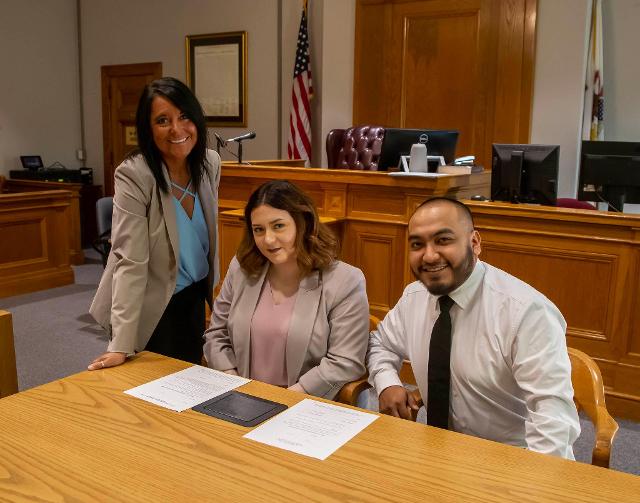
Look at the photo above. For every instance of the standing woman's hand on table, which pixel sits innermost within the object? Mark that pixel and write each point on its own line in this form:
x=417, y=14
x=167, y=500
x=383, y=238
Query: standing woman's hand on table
x=107, y=360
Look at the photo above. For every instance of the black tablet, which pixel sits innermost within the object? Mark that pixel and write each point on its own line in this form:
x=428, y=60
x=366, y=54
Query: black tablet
x=240, y=408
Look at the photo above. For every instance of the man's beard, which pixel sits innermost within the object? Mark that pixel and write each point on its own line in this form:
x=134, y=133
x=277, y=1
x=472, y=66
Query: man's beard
x=460, y=275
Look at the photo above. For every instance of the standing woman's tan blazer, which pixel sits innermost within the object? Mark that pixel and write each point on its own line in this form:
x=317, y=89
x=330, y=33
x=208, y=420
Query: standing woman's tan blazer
x=141, y=271
x=328, y=332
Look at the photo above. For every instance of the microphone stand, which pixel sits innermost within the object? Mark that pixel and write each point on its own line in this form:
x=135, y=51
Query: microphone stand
x=239, y=154
x=220, y=143
x=239, y=142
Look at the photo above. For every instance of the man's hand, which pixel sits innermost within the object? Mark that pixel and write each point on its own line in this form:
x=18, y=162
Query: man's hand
x=395, y=401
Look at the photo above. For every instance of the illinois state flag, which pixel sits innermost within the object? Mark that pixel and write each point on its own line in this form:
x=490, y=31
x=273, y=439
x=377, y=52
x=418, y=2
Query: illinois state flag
x=299, y=138
x=593, y=115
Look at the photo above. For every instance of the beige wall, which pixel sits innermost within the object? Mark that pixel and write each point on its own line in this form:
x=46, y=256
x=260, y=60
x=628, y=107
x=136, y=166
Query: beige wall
x=39, y=104
x=39, y=112
x=121, y=32
x=558, y=89
x=621, y=19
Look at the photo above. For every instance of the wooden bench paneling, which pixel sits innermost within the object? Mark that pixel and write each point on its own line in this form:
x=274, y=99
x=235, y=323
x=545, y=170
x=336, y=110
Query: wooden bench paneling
x=8, y=373
x=34, y=241
x=587, y=262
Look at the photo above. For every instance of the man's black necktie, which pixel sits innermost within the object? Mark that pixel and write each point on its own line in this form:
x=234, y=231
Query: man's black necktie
x=440, y=367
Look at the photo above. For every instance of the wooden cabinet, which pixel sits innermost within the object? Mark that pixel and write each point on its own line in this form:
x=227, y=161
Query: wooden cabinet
x=34, y=241
x=81, y=213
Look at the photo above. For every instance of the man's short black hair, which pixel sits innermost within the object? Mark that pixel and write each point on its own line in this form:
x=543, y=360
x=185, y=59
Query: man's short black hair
x=463, y=209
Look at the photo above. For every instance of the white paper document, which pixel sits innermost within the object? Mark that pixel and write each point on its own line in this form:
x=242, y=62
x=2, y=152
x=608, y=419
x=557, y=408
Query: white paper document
x=184, y=389
x=312, y=428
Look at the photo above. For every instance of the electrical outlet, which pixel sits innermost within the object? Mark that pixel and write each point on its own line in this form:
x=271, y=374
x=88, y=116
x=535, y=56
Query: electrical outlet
x=80, y=154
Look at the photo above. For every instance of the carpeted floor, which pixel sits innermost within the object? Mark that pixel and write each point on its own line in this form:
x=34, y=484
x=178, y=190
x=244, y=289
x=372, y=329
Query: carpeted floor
x=56, y=337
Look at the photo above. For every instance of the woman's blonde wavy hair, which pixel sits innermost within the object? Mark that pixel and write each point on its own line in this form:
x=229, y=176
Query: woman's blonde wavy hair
x=316, y=245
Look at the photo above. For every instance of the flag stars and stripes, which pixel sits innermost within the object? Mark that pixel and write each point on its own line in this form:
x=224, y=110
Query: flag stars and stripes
x=299, y=139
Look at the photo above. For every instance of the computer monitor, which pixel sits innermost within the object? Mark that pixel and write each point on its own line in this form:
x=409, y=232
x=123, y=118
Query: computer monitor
x=31, y=162
x=525, y=173
x=610, y=172
x=398, y=142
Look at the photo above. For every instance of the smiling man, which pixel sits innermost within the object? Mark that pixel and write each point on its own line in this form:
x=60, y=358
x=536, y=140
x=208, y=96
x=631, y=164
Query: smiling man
x=488, y=351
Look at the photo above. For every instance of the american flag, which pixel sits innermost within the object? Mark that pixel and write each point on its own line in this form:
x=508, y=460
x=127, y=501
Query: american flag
x=299, y=142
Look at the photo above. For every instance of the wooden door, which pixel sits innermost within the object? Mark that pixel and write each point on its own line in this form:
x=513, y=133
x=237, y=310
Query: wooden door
x=447, y=64
x=121, y=88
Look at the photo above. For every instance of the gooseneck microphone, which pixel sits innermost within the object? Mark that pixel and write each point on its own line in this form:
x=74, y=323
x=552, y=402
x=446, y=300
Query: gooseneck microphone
x=238, y=139
x=247, y=136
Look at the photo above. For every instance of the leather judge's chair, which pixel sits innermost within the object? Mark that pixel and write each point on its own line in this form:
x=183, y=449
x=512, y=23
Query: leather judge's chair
x=357, y=147
x=568, y=202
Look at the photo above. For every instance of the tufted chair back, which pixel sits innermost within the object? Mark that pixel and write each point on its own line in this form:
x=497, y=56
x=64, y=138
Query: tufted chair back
x=357, y=147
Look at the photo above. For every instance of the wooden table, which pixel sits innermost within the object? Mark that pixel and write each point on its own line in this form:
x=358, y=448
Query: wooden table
x=81, y=439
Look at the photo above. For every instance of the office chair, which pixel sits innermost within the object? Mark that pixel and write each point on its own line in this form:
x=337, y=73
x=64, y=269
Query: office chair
x=350, y=392
x=588, y=390
x=8, y=373
x=104, y=213
x=357, y=147
x=588, y=394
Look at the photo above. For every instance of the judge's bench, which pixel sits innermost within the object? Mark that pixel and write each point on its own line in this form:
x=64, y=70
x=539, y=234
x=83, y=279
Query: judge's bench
x=586, y=262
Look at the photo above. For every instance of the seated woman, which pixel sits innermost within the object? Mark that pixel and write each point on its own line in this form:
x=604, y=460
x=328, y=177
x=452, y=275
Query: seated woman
x=289, y=313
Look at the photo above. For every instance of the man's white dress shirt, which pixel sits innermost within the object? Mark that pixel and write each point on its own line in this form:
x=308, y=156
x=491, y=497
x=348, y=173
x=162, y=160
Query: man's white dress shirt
x=510, y=371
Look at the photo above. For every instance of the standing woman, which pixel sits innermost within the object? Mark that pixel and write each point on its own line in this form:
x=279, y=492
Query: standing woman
x=289, y=313
x=164, y=257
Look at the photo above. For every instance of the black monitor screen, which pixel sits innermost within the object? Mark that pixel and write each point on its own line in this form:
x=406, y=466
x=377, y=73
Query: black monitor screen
x=610, y=172
x=32, y=162
x=525, y=173
x=398, y=142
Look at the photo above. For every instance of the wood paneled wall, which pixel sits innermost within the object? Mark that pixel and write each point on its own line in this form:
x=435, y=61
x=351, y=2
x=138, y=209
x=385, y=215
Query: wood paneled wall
x=447, y=64
x=586, y=262
x=372, y=209
x=34, y=241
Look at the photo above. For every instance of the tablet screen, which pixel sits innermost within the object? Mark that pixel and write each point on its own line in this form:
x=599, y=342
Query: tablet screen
x=240, y=406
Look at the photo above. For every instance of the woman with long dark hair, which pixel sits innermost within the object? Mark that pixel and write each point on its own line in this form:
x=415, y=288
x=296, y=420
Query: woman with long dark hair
x=163, y=263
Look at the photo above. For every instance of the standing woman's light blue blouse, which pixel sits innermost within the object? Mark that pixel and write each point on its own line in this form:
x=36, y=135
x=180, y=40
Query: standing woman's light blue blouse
x=193, y=237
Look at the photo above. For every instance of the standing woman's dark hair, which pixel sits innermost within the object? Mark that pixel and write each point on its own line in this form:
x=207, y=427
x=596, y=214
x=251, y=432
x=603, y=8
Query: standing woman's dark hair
x=315, y=244
x=184, y=99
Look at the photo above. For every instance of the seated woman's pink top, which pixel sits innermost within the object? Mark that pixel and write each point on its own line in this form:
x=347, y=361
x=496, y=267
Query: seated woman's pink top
x=269, y=329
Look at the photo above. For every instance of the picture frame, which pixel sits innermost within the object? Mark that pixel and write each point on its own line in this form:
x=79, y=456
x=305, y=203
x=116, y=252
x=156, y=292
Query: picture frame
x=217, y=74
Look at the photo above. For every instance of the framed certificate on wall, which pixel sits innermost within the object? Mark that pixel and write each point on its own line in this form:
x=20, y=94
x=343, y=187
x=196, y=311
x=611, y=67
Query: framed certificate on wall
x=217, y=74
